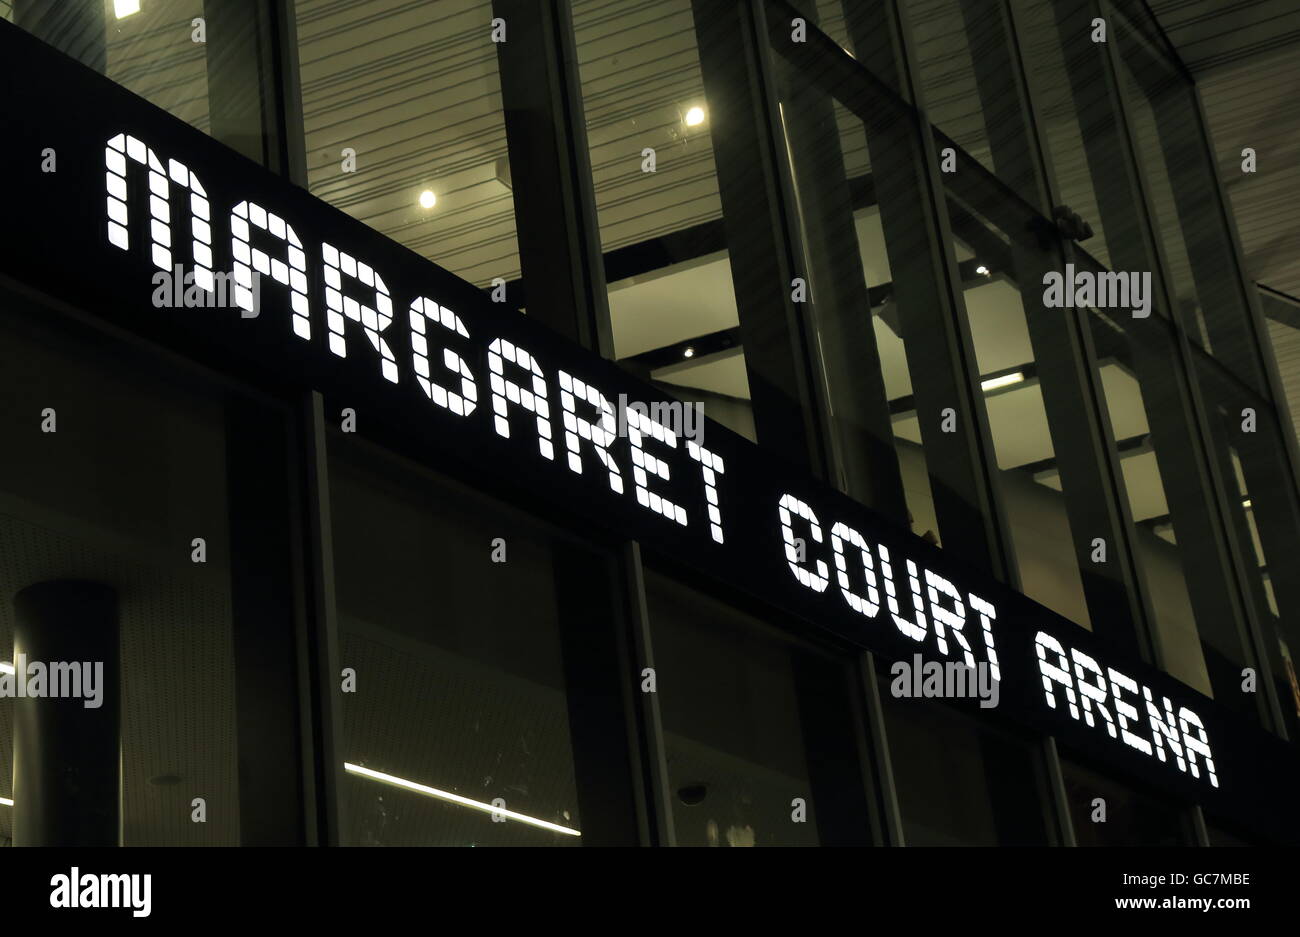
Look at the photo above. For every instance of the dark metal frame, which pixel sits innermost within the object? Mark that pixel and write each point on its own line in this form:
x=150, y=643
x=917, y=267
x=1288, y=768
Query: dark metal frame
x=544, y=121
x=736, y=58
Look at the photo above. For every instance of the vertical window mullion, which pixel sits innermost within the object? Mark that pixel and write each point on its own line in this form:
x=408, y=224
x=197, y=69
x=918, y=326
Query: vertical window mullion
x=1219, y=552
x=950, y=343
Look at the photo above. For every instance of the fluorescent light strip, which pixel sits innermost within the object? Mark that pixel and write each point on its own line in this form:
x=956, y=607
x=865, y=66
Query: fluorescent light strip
x=455, y=798
x=431, y=792
x=1005, y=380
x=6, y=667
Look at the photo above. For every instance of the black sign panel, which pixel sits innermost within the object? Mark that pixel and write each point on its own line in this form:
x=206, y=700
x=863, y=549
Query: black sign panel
x=136, y=194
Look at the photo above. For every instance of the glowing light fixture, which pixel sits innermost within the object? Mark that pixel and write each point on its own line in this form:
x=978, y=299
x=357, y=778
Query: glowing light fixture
x=455, y=798
x=428, y=199
x=6, y=801
x=1005, y=380
x=124, y=8
x=695, y=117
x=689, y=352
x=982, y=270
x=6, y=667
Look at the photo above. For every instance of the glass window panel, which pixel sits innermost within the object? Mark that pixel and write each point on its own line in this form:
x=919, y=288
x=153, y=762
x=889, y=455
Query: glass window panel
x=1262, y=508
x=412, y=90
x=1131, y=817
x=672, y=306
x=962, y=781
x=1141, y=378
x=1024, y=439
x=1218, y=836
x=968, y=77
x=753, y=724
x=133, y=470
x=864, y=252
x=1123, y=379
x=459, y=662
x=1182, y=195
x=1071, y=112
x=147, y=47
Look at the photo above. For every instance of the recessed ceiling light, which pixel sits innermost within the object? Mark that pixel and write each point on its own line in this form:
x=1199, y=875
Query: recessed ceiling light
x=428, y=199
x=982, y=270
x=994, y=383
x=455, y=799
x=689, y=352
x=695, y=117
x=124, y=8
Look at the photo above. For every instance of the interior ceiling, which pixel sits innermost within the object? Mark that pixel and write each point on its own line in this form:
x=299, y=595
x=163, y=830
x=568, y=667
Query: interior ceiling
x=1212, y=33
x=1246, y=59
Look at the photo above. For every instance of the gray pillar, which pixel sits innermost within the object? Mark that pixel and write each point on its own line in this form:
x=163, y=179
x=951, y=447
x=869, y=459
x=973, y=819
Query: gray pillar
x=67, y=776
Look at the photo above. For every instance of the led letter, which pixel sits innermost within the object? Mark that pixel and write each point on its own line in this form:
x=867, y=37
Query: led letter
x=640, y=425
x=461, y=404
x=373, y=321
x=292, y=275
x=869, y=604
x=1055, y=672
x=601, y=434
x=790, y=505
x=123, y=147
x=713, y=467
x=506, y=392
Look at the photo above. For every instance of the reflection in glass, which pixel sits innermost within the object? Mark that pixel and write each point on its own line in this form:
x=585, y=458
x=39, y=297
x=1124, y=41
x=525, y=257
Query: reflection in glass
x=1125, y=816
x=758, y=730
x=460, y=703
x=134, y=470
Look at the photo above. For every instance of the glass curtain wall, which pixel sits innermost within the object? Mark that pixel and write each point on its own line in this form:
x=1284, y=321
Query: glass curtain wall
x=672, y=304
x=405, y=129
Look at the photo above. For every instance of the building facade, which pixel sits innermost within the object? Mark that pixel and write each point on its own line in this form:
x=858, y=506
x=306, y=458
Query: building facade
x=354, y=354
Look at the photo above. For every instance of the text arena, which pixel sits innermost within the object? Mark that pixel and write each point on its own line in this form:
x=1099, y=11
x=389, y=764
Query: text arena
x=888, y=591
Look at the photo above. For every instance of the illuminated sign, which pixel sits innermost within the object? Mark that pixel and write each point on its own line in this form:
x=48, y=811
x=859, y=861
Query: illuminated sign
x=887, y=587
x=428, y=361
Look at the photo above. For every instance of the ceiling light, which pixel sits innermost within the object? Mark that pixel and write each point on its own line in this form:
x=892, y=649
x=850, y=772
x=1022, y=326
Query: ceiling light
x=695, y=117
x=689, y=352
x=1005, y=380
x=982, y=270
x=6, y=667
x=455, y=798
x=1246, y=503
x=428, y=199
x=6, y=801
x=124, y=8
